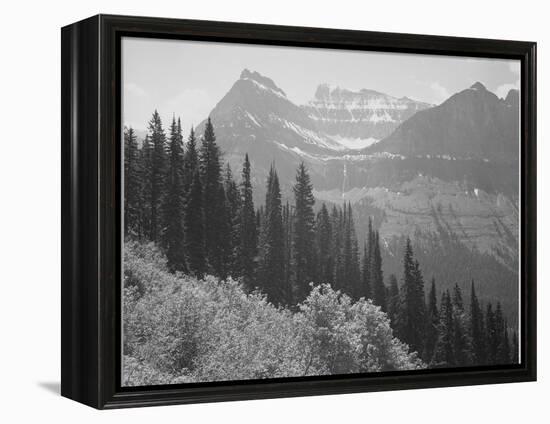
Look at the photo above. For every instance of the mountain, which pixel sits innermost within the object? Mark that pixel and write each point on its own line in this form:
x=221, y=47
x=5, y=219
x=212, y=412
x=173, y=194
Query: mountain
x=256, y=117
x=446, y=176
x=359, y=118
x=472, y=124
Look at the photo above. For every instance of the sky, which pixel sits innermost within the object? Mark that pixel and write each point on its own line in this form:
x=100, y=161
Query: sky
x=188, y=78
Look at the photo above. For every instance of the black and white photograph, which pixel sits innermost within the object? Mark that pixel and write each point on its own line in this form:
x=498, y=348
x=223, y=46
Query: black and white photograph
x=294, y=212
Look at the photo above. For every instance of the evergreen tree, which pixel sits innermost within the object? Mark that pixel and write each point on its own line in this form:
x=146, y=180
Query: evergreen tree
x=461, y=346
x=132, y=184
x=233, y=219
x=393, y=298
x=377, y=279
x=272, y=267
x=213, y=202
x=444, y=350
x=324, y=248
x=288, y=230
x=491, y=335
x=503, y=352
x=514, y=353
x=477, y=335
x=432, y=324
x=173, y=206
x=190, y=161
x=351, y=271
x=411, y=315
x=366, y=291
x=157, y=173
x=304, y=234
x=194, y=228
x=145, y=159
x=337, y=223
x=248, y=249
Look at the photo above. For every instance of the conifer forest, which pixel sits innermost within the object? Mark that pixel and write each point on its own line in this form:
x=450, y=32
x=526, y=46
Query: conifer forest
x=220, y=286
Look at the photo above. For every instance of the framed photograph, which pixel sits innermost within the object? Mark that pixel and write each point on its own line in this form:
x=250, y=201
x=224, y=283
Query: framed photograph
x=254, y=211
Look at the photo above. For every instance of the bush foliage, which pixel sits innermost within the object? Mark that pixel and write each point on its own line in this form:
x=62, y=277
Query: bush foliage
x=180, y=329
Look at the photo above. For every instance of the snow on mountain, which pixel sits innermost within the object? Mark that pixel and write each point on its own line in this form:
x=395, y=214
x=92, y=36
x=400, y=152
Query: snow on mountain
x=364, y=114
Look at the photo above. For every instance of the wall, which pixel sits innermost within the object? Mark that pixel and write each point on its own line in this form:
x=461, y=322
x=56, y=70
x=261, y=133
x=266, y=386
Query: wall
x=30, y=241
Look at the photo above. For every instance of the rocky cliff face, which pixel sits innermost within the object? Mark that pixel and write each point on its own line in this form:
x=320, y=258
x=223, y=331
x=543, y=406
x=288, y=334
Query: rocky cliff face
x=359, y=118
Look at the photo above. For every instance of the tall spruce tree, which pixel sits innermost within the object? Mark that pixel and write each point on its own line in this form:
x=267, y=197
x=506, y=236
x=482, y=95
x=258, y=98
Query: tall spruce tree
x=432, y=324
x=157, y=174
x=194, y=228
x=461, y=342
x=213, y=202
x=132, y=184
x=411, y=315
x=444, y=350
x=173, y=202
x=232, y=208
x=366, y=266
x=477, y=333
x=190, y=161
x=503, y=352
x=248, y=248
x=288, y=230
x=272, y=267
x=377, y=278
x=337, y=222
x=323, y=243
x=393, y=298
x=491, y=335
x=145, y=158
x=304, y=234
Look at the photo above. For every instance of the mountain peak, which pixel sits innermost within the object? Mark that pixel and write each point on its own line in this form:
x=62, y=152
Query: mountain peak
x=478, y=86
x=261, y=80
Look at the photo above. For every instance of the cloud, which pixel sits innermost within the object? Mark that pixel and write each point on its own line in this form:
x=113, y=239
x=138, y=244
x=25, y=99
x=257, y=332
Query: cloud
x=134, y=89
x=502, y=90
x=440, y=93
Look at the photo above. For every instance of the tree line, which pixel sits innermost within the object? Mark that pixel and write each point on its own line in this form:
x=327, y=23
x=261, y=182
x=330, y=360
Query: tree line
x=180, y=196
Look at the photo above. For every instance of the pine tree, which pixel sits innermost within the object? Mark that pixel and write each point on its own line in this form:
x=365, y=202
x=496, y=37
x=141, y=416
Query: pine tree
x=324, y=248
x=272, y=267
x=304, y=234
x=145, y=159
x=393, y=298
x=411, y=315
x=491, y=335
x=366, y=266
x=173, y=206
x=194, y=228
x=477, y=335
x=190, y=161
x=157, y=174
x=461, y=345
x=248, y=248
x=514, y=353
x=132, y=184
x=444, y=350
x=337, y=223
x=432, y=324
x=503, y=352
x=213, y=201
x=288, y=231
x=377, y=279
x=351, y=275
x=233, y=210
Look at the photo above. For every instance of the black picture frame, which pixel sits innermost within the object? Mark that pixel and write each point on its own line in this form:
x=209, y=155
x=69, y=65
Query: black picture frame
x=91, y=210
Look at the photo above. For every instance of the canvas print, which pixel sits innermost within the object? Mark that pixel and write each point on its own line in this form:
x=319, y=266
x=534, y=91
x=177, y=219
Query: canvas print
x=299, y=212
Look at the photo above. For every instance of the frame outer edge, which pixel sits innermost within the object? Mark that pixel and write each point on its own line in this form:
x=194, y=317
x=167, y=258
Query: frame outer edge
x=79, y=197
